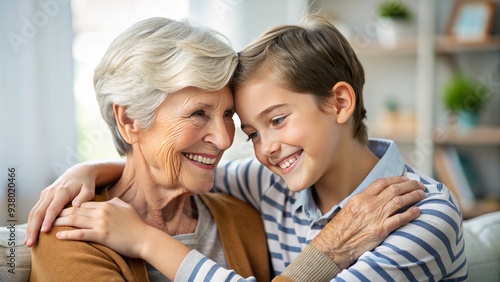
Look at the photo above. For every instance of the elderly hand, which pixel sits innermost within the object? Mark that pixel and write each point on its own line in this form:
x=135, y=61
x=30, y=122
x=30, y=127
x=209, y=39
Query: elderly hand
x=368, y=218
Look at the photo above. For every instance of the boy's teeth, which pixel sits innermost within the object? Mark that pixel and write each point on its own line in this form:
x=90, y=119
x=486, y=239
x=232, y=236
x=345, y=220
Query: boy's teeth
x=288, y=163
x=201, y=159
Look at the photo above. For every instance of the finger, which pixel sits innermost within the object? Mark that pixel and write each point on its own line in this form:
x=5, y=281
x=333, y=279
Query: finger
x=35, y=219
x=118, y=202
x=77, y=234
x=78, y=221
x=380, y=185
x=77, y=211
x=399, y=203
x=86, y=194
x=402, y=188
x=93, y=205
x=400, y=219
x=60, y=198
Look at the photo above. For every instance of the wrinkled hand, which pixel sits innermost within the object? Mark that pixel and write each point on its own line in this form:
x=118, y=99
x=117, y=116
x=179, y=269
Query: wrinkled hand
x=368, y=218
x=68, y=187
x=114, y=224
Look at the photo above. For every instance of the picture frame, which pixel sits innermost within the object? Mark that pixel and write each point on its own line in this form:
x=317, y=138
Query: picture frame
x=471, y=21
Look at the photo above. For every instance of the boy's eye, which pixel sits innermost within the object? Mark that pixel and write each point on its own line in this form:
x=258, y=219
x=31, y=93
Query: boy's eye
x=252, y=135
x=277, y=120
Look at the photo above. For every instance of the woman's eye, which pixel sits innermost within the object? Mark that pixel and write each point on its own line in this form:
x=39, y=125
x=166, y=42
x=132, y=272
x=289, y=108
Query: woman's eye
x=277, y=120
x=229, y=113
x=252, y=135
x=199, y=113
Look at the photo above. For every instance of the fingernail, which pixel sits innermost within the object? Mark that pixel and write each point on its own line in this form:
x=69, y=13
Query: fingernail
x=405, y=178
x=422, y=193
x=421, y=184
x=28, y=242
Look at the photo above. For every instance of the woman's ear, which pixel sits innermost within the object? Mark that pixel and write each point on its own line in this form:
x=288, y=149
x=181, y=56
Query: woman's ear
x=343, y=100
x=128, y=128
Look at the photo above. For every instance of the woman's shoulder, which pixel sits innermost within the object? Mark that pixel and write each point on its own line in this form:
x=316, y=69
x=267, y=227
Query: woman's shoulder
x=54, y=259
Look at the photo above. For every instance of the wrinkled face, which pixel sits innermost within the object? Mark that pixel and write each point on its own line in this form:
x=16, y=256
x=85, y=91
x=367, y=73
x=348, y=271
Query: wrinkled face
x=192, y=128
x=291, y=135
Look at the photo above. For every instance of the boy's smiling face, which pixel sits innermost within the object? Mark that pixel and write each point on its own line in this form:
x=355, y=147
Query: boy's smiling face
x=291, y=135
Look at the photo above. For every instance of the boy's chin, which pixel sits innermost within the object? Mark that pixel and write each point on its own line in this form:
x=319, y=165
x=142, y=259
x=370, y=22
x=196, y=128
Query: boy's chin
x=294, y=185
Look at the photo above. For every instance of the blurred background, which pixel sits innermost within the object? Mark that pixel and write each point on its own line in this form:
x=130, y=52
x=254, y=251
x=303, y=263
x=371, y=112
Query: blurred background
x=432, y=81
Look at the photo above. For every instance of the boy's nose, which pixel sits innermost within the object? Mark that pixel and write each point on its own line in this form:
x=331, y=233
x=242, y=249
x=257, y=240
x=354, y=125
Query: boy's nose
x=269, y=146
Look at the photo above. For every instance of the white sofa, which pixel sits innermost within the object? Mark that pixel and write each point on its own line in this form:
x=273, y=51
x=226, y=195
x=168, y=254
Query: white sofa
x=482, y=245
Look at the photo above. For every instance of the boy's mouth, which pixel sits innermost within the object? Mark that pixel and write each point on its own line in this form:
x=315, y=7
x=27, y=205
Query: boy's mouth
x=289, y=161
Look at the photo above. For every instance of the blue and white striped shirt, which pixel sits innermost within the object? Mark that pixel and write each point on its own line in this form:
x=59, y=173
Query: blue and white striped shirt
x=430, y=248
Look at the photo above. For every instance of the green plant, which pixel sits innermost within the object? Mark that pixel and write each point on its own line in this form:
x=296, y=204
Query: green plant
x=463, y=95
x=394, y=9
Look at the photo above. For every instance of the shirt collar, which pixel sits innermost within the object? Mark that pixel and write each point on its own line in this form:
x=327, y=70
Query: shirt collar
x=390, y=163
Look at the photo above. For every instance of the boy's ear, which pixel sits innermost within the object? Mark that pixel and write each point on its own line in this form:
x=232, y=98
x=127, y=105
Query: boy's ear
x=128, y=127
x=343, y=100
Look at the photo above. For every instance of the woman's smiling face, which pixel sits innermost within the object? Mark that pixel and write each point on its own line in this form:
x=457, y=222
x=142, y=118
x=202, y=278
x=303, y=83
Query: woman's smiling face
x=191, y=130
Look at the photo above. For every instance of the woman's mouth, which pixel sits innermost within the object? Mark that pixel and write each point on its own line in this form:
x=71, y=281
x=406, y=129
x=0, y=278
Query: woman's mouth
x=201, y=159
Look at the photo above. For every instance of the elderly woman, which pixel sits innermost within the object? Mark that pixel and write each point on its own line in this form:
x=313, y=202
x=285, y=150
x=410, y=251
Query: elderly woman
x=162, y=90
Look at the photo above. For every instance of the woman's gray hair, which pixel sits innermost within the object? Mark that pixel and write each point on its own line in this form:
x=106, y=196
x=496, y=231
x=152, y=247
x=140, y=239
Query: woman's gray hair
x=155, y=57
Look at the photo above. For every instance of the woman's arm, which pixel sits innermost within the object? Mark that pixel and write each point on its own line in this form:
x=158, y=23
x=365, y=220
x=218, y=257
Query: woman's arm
x=77, y=184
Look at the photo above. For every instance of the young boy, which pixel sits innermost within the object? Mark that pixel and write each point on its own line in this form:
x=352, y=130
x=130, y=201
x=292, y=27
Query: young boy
x=298, y=93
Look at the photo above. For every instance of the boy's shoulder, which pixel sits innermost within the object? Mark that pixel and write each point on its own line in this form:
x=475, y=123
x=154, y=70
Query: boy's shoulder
x=433, y=188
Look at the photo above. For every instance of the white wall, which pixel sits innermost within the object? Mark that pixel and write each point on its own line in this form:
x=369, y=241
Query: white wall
x=36, y=99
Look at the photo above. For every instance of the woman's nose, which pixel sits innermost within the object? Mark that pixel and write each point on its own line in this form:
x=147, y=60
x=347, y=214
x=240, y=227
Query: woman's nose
x=221, y=134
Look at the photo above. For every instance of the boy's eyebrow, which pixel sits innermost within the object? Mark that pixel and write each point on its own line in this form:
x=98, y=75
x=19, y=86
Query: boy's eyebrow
x=265, y=112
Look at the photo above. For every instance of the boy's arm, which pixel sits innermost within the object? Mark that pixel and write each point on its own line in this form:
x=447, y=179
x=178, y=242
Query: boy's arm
x=77, y=184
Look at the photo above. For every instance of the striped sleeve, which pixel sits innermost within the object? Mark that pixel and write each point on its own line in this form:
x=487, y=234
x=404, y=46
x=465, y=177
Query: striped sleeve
x=245, y=179
x=430, y=248
x=197, y=267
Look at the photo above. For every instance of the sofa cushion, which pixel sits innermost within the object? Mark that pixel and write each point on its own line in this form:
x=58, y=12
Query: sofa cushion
x=15, y=258
x=482, y=246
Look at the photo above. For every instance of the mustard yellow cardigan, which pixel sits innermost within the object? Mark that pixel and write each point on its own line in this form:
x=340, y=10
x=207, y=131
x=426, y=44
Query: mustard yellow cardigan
x=240, y=230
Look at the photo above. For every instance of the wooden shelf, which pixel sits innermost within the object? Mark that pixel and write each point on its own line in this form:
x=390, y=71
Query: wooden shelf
x=478, y=136
x=443, y=45
x=482, y=135
x=448, y=45
x=403, y=47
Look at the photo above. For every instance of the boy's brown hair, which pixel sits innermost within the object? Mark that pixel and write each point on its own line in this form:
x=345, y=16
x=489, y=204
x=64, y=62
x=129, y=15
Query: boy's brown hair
x=307, y=58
